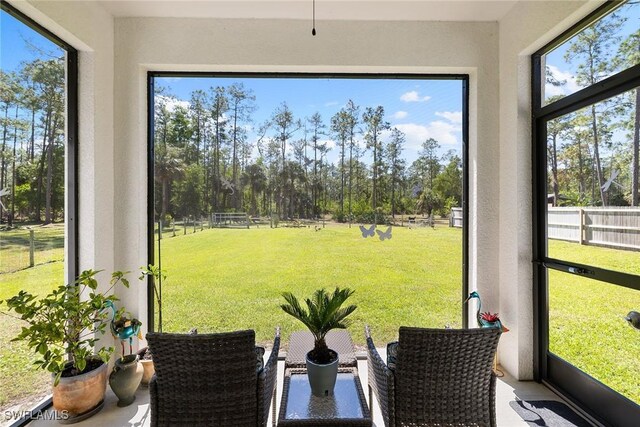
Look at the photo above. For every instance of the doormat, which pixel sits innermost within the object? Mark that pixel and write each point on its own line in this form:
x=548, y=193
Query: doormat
x=549, y=413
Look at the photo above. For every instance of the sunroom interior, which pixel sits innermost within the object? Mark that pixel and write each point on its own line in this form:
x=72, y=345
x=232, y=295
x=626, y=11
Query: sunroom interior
x=119, y=43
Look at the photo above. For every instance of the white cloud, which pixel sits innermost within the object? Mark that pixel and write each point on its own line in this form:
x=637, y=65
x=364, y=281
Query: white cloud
x=413, y=96
x=443, y=132
x=172, y=103
x=330, y=143
x=400, y=115
x=569, y=87
x=452, y=116
x=331, y=103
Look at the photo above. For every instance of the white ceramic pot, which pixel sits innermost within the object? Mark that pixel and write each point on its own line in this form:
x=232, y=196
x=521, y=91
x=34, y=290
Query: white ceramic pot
x=322, y=378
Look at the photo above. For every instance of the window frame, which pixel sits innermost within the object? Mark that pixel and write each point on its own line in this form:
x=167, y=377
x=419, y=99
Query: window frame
x=71, y=259
x=464, y=78
x=591, y=397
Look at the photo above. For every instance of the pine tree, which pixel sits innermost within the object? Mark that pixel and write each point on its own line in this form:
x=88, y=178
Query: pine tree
x=396, y=163
x=373, y=119
x=593, y=46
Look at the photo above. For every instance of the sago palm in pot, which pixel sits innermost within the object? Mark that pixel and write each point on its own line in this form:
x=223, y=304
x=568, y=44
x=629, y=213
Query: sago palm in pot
x=323, y=313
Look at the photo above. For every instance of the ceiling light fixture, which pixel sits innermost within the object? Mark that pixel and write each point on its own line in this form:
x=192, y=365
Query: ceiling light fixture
x=313, y=30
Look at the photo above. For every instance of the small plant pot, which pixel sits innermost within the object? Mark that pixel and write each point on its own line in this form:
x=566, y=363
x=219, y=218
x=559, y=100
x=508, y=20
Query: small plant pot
x=322, y=378
x=147, y=365
x=79, y=397
x=125, y=379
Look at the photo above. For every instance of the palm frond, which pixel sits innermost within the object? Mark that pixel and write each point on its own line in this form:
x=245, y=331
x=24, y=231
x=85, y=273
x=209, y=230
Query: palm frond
x=323, y=312
x=294, y=309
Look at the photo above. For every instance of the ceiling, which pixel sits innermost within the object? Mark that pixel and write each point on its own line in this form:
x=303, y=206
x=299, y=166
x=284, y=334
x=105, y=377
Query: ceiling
x=367, y=10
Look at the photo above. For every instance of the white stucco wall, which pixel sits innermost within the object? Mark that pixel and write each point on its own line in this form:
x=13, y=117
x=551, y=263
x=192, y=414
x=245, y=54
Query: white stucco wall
x=89, y=28
x=144, y=44
x=523, y=31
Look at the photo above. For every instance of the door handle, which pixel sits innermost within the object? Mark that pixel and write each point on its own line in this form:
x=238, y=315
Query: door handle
x=578, y=270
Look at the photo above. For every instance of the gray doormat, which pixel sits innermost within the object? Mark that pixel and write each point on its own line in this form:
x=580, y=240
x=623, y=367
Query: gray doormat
x=547, y=413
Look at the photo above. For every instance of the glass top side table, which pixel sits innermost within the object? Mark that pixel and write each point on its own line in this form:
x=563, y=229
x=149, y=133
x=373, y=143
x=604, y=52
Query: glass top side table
x=347, y=406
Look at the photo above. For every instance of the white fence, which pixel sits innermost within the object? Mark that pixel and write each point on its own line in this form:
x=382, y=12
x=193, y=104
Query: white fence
x=230, y=219
x=455, y=220
x=617, y=227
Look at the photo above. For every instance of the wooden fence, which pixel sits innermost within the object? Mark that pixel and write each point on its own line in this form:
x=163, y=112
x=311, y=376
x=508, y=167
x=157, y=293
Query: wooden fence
x=614, y=227
x=25, y=247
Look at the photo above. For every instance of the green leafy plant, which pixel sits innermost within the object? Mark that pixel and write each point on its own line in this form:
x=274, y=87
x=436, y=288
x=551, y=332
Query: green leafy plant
x=68, y=321
x=324, y=312
x=157, y=276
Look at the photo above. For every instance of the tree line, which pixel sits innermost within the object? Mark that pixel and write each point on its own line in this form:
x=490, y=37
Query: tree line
x=206, y=162
x=32, y=125
x=593, y=153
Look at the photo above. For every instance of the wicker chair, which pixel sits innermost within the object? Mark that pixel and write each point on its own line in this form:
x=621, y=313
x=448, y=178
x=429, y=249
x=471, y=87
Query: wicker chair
x=443, y=377
x=211, y=380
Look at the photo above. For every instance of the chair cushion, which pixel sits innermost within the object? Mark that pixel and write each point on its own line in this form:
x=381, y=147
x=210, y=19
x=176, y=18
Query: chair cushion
x=392, y=354
x=259, y=358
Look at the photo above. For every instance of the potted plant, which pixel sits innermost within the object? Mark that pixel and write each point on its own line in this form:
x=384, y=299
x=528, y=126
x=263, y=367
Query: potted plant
x=63, y=329
x=127, y=372
x=324, y=312
x=145, y=356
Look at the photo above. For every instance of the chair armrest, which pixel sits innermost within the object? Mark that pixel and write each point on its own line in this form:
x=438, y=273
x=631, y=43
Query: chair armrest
x=267, y=381
x=381, y=381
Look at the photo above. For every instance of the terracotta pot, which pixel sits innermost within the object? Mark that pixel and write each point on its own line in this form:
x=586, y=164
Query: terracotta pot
x=79, y=397
x=149, y=369
x=322, y=378
x=125, y=379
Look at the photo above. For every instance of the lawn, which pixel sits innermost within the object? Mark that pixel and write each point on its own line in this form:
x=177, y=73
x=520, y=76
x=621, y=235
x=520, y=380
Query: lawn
x=20, y=383
x=225, y=279
x=586, y=318
x=14, y=246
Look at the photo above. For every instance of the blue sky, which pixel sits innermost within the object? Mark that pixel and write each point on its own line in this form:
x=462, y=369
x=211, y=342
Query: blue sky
x=15, y=38
x=420, y=108
x=566, y=71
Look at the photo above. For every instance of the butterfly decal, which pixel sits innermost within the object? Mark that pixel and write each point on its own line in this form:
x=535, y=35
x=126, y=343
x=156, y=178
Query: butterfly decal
x=611, y=180
x=368, y=232
x=384, y=234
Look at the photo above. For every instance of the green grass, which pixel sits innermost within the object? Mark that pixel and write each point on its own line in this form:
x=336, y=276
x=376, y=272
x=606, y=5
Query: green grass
x=586, y=325
x=21, y=383
x=14, y=246
x=225, y=279
x=612, y=259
